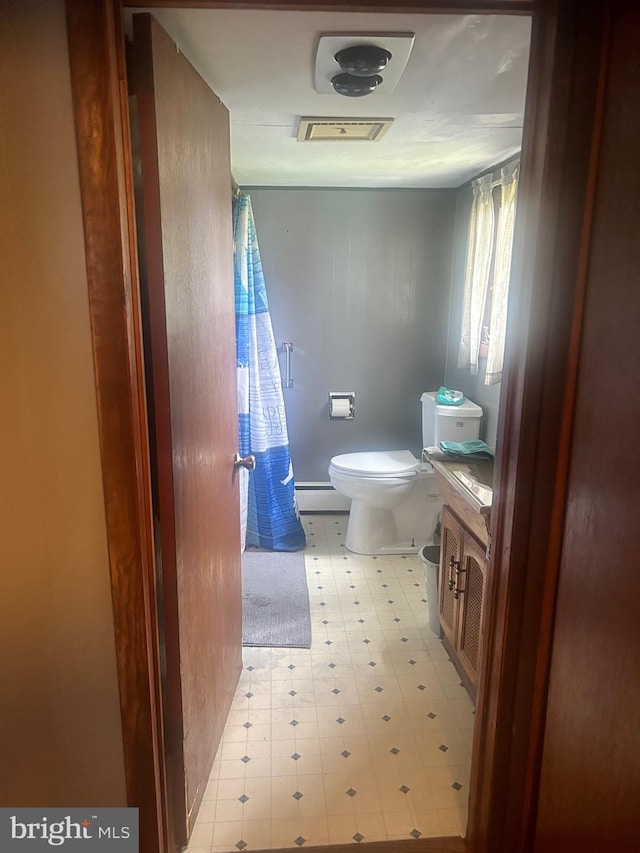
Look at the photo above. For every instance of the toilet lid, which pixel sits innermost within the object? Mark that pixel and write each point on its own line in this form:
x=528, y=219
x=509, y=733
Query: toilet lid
x=381, y=463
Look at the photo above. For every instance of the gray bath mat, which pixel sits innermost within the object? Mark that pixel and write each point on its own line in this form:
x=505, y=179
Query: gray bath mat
x=275, y=600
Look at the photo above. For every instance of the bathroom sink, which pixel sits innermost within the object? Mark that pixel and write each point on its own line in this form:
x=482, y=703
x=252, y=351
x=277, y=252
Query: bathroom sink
x=480, y=472
x=475, y=482
x=471, y=481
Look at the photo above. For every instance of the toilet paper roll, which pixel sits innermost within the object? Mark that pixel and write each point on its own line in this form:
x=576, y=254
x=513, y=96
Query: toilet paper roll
x=339, y=408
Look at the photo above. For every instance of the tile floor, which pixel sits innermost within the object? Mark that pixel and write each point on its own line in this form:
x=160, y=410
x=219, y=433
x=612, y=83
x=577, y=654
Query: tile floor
x=364, y=737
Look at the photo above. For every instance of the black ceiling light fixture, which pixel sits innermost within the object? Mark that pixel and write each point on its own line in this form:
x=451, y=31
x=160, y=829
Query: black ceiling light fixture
x=355, y=87
x=357, y=63
x=363, y=60
x=360, y=65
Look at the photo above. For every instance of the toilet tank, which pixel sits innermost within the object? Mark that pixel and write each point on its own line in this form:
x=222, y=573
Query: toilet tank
x=448, y=423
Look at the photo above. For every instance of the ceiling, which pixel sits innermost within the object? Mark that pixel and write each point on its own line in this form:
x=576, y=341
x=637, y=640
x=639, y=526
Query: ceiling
x=458, y=107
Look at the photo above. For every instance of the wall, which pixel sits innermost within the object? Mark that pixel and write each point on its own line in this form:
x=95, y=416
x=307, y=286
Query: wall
x=359, y=281
x=487, y=396
x=60, y=732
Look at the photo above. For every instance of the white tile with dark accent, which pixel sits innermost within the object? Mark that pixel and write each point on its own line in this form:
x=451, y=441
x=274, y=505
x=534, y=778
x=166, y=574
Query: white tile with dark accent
x=364, y=737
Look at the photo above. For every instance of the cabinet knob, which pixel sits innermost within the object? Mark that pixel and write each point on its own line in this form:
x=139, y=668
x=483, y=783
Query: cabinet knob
x=451, y=583
x=457, y=593
x=453, y=563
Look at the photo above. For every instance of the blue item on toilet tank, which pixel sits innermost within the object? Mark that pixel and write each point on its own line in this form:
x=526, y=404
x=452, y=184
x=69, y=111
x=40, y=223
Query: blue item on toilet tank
x=449, y=397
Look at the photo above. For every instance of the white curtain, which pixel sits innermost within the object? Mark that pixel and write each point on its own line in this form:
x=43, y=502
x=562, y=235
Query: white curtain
x=502, y=272
x=478, y=267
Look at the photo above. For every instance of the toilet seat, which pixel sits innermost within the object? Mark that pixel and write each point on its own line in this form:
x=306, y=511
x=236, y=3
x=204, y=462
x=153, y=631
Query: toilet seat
x=377, y=464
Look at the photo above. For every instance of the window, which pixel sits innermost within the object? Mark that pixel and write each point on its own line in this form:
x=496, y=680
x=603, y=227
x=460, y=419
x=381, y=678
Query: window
x=487, y=272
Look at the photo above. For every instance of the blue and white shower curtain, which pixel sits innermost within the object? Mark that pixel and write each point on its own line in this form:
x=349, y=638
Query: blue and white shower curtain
x=269, y=514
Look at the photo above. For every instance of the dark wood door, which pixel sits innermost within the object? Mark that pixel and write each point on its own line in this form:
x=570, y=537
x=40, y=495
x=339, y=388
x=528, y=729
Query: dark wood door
x=184, y=216
x=590, y=778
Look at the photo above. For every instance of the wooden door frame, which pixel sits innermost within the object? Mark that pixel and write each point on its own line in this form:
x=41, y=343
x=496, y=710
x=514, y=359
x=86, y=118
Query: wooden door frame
x=533, y=437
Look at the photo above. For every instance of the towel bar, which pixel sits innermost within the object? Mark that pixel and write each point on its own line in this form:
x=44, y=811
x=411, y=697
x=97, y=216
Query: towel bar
x=287, y=347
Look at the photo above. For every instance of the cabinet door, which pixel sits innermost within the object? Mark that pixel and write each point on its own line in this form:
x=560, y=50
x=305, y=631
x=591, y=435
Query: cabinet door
x=450, y=560
x=470, y=604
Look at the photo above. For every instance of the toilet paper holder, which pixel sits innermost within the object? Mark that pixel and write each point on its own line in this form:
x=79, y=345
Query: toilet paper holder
x=342, y=405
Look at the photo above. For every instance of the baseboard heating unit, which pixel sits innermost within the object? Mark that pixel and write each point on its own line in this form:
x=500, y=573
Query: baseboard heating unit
x=320, y=497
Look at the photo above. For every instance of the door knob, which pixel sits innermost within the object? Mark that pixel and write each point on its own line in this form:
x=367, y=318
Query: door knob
x=249, y=462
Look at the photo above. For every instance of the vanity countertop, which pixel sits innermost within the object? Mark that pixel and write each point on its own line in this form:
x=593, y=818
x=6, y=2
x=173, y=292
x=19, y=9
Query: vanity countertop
x=471, y=480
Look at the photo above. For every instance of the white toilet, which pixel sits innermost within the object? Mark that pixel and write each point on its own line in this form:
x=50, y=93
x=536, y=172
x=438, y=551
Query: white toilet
x=394, y=496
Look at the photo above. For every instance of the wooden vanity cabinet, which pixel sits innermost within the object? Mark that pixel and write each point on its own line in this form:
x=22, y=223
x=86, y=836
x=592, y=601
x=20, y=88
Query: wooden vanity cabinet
x=461, y=596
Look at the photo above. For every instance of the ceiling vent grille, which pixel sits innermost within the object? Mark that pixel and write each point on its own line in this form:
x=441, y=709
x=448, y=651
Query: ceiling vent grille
x=343, y=129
